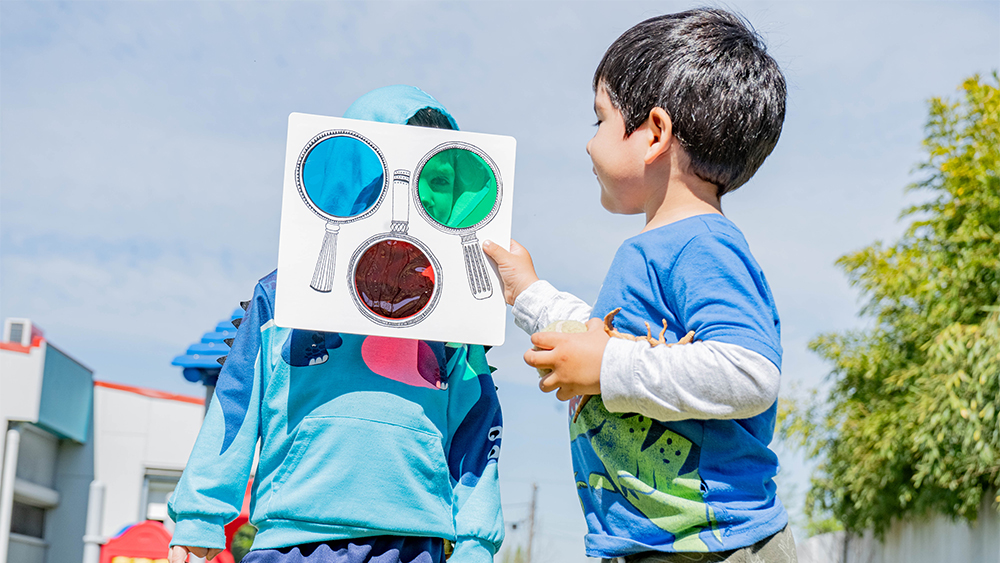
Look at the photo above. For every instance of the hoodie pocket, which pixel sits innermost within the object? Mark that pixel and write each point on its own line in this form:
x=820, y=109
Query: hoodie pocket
x=363, y=473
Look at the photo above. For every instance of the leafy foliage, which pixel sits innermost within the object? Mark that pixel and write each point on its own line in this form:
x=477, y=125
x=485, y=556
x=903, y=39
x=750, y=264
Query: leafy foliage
x=242, y=541
x=910, y=425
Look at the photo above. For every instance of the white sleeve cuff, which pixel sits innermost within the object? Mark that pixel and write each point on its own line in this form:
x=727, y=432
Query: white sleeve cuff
x=473, y=550
x=541, y=304
x=199, y=531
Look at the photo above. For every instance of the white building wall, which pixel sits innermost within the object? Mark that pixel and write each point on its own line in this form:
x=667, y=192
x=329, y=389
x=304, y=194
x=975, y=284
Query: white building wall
x=33, y=486
x=174, y=426
x=20, y=386
x=134, y=433
x=49, y=470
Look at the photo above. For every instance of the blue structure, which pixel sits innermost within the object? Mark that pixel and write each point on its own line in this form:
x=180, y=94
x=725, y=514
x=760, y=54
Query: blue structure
x=204, y=359
x=67, y=396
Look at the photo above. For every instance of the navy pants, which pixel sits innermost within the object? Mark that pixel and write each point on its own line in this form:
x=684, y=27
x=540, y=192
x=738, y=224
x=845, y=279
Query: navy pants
x=379, y=549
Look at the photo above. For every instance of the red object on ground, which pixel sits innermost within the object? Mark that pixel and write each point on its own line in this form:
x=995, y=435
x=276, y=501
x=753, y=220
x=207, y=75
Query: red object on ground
x=147, y=540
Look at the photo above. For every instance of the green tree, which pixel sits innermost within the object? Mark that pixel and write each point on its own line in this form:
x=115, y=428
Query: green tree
x=909, y=424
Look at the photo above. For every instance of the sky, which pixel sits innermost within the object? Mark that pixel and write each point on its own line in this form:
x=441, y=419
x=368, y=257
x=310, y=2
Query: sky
x=142, y=152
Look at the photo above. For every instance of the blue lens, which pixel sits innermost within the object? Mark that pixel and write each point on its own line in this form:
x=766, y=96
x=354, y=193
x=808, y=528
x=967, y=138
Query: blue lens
x=343, y=176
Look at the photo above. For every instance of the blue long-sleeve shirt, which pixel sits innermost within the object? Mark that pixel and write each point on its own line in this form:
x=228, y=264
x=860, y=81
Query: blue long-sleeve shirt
x=674, y=454
x=359, y=436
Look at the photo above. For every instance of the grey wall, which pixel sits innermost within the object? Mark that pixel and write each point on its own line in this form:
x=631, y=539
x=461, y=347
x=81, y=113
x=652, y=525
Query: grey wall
x=65, y=525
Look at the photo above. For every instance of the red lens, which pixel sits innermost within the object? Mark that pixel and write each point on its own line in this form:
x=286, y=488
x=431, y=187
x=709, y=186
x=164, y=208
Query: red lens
x=394, y=279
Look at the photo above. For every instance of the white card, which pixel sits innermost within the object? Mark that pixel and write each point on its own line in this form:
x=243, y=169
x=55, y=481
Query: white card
x=382, y=228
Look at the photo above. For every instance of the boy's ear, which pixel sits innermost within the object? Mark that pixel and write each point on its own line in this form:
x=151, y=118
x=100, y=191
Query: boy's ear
x=661, y=134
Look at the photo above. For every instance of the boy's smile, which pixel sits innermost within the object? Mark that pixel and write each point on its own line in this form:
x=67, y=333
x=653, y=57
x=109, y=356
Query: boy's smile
x=618, y=160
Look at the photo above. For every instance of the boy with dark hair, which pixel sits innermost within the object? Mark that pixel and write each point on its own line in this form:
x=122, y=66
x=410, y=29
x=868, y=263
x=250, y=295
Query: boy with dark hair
x=371, y=449
x=671, y=454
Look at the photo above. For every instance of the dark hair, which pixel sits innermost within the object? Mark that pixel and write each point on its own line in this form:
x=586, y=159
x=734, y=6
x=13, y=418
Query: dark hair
x=710, y=71
x=430, y=117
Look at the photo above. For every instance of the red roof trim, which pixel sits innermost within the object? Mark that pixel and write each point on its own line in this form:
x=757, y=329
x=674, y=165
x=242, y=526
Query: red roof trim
x=15, y=347
x=150, y=392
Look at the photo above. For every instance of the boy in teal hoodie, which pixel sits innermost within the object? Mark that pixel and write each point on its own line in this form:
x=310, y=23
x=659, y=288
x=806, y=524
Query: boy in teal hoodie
x=372, y=449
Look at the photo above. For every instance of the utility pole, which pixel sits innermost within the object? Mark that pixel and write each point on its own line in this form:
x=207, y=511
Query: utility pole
x=531, y=518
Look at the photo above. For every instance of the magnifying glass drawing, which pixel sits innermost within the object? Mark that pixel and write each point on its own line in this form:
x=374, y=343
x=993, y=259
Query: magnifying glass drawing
x=341, y=176
x=395, y=279
x=457, y=189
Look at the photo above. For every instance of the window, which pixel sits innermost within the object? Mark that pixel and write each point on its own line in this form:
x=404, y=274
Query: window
x=158, y=486
x=16, y=332
x=27, y=520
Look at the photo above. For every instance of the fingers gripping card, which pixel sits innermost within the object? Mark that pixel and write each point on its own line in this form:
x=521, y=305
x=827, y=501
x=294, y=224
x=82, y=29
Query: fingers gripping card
x=381, y=230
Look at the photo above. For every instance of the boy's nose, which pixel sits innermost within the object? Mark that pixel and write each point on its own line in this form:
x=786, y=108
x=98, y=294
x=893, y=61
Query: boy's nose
x=588, y=144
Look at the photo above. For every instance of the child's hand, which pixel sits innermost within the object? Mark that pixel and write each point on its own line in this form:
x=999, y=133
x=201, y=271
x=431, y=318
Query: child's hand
x=516, y=269
x=575, y=360
x=179, y=553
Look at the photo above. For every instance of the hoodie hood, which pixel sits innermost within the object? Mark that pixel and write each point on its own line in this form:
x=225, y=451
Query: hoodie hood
x=394, y=104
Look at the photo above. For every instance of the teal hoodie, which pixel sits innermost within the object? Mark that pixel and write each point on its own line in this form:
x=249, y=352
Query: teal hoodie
x=359, y=436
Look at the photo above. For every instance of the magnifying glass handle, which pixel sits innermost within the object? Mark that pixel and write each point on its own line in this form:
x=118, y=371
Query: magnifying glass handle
x=400, y=201
x=475, y=267
x=323, y=274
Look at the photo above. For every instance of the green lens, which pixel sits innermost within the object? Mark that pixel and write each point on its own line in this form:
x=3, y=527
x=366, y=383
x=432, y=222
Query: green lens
x=457, y=188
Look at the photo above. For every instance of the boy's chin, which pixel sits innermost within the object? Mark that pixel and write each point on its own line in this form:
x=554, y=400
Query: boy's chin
x=607, y=203
x=616, y=207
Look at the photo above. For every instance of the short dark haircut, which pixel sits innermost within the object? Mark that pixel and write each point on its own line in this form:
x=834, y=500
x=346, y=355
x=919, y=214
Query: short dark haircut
x=430, y=117
x=710, y=71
